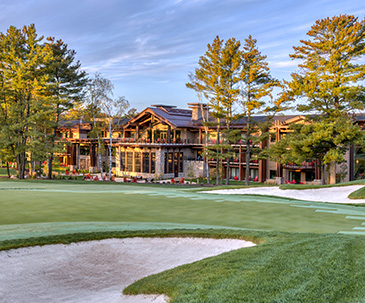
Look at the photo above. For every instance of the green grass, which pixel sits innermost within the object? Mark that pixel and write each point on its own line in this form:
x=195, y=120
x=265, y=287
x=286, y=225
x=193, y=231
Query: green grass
x=4, y=171
x=297, y=259
x=36, y=202
x=284, y=267
x=358, y=194
x=305, y=186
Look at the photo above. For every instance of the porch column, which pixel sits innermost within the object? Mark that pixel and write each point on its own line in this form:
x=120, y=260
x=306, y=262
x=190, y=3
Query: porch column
x=200, y=136
x=168, y=134
x=317, y=170
x=73, y=154
x=240, y=163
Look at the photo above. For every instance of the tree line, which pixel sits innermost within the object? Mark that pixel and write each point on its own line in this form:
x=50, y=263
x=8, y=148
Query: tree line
x=235, y=81
x=41, y=83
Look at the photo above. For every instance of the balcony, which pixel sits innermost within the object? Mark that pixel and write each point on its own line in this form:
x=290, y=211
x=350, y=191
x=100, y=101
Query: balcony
x=304, y=165
x=159, y=142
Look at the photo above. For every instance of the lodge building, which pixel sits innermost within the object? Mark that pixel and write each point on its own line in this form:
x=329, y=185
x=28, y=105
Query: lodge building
x=163, y=142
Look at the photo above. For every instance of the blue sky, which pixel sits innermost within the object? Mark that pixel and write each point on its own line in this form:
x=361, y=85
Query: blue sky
x=148, y=47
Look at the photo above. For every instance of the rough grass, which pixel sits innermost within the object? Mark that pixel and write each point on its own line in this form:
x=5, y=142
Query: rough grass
x=286, y=268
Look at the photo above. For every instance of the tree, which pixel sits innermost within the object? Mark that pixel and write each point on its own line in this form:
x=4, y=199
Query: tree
x=215, y=79
x=115, y=109
x=23, y=85
x=67, y=87
x=100, y=100
x=98, y=89
x=256, y=85
x=322, y=140
x=331, y=75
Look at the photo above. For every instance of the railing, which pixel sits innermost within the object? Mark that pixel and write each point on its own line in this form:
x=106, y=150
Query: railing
x=157, y=141
x=302, y=166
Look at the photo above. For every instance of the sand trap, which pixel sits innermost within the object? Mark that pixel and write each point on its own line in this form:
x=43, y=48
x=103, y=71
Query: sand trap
x=97, y=271
x=337, y=194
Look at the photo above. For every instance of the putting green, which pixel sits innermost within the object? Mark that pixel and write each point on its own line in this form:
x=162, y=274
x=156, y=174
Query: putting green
x=47, y=208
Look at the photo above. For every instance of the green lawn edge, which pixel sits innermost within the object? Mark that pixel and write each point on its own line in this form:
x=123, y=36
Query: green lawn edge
x=358, y=194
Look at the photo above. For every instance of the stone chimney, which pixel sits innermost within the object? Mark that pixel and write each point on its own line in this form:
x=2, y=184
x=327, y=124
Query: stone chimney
x=199, y=109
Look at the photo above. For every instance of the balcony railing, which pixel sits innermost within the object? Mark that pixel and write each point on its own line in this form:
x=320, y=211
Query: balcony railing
x=304, y=165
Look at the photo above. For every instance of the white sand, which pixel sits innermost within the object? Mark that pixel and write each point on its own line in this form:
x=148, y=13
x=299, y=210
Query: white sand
x=97, y=271
x=337, y=194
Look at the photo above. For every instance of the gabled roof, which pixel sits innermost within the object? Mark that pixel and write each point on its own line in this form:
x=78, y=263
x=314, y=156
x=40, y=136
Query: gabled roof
x=175, y=117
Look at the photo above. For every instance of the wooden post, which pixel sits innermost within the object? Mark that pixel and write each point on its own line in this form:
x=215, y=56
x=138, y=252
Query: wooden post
x=168, y=134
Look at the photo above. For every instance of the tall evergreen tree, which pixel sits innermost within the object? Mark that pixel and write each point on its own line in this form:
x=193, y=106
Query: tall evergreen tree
x=256, y=89
x=67, y=89
x=23, y=89
x=331, y=75
x=215, y=79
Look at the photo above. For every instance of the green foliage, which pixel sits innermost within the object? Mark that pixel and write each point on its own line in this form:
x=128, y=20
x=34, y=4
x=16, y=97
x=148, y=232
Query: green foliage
x=24, y=103
x=330, y=73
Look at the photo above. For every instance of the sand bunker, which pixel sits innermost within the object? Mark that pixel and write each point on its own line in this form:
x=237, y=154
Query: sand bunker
x=98, y=271
x=338, y=194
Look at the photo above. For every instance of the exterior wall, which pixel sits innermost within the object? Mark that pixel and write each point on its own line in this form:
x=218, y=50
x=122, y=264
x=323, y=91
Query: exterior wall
x=195, y=169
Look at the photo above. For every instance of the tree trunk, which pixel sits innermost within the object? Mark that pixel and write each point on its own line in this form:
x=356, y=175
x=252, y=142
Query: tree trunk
x=110, y=149
x=217, y=162
x=248, y=156
x=206, y=158
x=20, y=159
x=7, y=169
x=100, y=162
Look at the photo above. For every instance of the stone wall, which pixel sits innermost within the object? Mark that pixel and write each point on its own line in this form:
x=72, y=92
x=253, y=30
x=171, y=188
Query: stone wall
x=194, y=169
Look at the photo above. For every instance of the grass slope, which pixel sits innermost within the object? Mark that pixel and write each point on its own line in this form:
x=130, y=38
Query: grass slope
x=358, y=194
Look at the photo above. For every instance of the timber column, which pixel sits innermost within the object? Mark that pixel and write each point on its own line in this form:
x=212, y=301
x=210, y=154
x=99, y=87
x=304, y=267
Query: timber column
x=93, y=166
x=73, y=164
x=262, y=164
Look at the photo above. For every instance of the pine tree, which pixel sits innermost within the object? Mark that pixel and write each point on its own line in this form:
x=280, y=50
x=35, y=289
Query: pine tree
x=216, y=79
x=331, y=75
x=23, y=87
x=66, y=90
x=256, y=89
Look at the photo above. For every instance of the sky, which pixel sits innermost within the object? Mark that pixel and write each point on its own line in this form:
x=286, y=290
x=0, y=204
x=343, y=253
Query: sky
x=148, y=47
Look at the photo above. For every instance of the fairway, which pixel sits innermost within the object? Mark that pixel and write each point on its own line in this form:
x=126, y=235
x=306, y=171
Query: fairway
x=37, y=208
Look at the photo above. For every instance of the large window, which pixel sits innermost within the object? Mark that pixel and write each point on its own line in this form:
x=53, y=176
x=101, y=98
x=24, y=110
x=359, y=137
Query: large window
x=130, y=161
x=146, y=162
x=137, y=162
x=122, y=161
x=181, y=163
x=85, y=150
x=169, y=160
x=153, y=160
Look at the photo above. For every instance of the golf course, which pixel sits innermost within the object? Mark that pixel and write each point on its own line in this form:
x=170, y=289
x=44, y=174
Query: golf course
x=305, y=251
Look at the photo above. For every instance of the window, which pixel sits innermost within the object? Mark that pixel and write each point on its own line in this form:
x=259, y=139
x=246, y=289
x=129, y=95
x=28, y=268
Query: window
x=122, y=161
x=130, y=161
x=84, y=150
x=146, y=162
x=137, y=162
x=181, y=168
x=272, y=174
x=153, y=160
x=169, y=160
